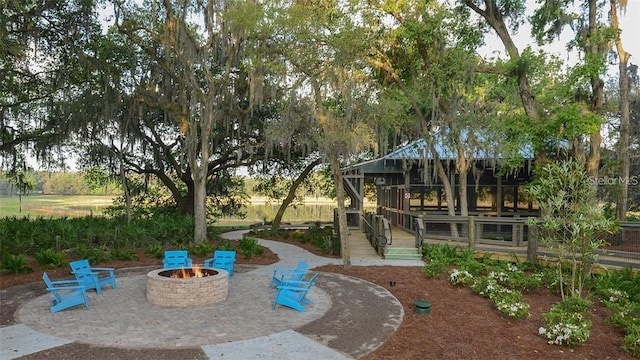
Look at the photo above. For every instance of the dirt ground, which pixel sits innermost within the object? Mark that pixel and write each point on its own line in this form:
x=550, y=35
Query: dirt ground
x=461, y=325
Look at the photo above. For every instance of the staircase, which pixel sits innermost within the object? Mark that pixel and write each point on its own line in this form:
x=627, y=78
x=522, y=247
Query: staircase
x=402, y=253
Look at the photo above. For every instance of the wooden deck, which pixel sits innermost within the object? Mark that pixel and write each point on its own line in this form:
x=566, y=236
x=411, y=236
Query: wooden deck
x=362, y=249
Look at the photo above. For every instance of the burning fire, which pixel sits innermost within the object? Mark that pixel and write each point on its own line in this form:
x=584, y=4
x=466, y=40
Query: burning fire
x=194, y=272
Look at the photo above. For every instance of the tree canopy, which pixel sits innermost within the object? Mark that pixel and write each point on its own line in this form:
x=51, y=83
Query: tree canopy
x=191, y=91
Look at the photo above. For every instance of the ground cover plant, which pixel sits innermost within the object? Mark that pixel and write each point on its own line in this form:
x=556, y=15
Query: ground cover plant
x=567, y=322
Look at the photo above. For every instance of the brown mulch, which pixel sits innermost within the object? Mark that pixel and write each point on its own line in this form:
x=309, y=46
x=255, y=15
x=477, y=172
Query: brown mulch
x=461, y=324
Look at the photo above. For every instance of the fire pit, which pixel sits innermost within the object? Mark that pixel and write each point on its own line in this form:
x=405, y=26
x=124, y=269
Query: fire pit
x=187, y=287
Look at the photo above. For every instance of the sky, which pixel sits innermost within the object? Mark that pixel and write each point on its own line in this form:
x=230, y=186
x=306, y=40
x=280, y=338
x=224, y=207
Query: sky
x=629, y=23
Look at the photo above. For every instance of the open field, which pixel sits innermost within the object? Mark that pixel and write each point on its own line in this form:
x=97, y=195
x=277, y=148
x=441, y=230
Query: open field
x=54, y=205
x=259, y=208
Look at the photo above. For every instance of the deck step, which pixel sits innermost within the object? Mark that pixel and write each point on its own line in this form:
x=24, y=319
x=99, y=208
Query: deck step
x=402, y=254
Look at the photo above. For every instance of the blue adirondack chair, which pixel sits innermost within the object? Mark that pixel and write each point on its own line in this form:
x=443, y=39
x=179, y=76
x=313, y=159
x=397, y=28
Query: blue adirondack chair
x=289, y=274
x=222, y=259
x=293, y=293
x=176, y=259
x=93, y=277
x=66, y=293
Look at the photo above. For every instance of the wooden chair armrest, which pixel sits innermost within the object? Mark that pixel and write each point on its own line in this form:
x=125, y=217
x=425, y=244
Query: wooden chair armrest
x=292, y=288
x=297, y=283
x=57, y=282
x=84, y=272
x=56, y=288
x=103, y=269
x=292, y=274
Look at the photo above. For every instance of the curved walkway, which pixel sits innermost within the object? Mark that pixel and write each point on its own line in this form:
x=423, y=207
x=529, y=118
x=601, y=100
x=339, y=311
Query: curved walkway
x=336, y=326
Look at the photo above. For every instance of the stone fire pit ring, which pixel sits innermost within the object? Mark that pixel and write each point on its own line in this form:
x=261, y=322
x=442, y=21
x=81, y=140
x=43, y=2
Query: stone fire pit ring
x=180, y=292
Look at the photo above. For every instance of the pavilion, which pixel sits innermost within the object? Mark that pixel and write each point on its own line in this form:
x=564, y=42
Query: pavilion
x=407, y=186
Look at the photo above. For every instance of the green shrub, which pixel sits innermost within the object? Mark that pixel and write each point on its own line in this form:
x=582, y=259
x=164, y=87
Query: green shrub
x=435, y=268
x=460, y=277
x=49, y=258
x=474, y=267
x=15, y=264
x=510, y=276
x=509, y=302
x=297, y=235
x=155, y=250
x=226, y=245
x=624, y=316
x=570, y=224
x=202, y=249
x=249, y=246
x=124, y=254
x=326, y=246
x=566, y=323
x=444, y=253
x=94, y=255
x=483, y=285
x=631, y=343
x=27, y=235
x=625, y=280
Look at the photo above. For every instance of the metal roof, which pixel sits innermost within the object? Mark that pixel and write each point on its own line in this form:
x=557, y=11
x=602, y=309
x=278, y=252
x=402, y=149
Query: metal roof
x=419, y=150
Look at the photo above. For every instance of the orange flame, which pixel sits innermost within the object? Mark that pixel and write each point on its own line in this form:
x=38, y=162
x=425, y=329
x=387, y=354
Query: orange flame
x=194, y=272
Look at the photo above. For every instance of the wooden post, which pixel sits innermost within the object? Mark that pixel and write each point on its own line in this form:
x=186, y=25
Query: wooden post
x=532, y=245
x=500, y=202
x=57, y=243
x=472, y=232
x=515, y=236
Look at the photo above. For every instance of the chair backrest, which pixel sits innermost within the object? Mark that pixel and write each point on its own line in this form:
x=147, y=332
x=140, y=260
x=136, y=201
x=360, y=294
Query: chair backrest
x=176, y=258
x=50, y=286
x=302, y=267
x=225, y=255
x=81, y=268
x=306, y=283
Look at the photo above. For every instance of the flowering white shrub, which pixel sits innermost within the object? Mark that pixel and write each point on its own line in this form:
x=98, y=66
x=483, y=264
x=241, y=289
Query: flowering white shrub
x=500, y=276
x=460, y=277
x=512, y=307
x=566, y=323
x=616, y=296
x=566, y=334
x=507, y=301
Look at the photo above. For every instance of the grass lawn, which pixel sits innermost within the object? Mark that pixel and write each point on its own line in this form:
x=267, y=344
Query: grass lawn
x=53, y=205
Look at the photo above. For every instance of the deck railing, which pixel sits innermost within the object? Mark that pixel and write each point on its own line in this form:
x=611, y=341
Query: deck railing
x=378, y=231
x=513, y=235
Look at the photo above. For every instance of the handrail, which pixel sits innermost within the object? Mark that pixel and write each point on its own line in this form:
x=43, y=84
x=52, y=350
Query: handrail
x=364, y=218
x=382, y=244
x=385, y=227
x=419, y=232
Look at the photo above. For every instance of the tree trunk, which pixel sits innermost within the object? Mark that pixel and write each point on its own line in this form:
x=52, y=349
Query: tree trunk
x=597, y=89
x=345, y=248
x=200, y=208
x=623, y=142
x=492, y=14
x=199, y=152
x=446, y=185
x=462, y=167
x=275, y=226
x=127, y=193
